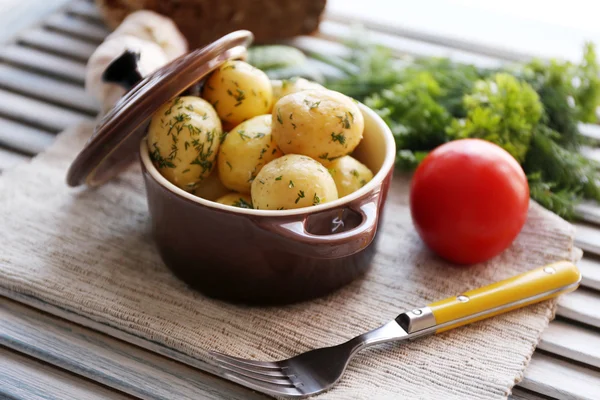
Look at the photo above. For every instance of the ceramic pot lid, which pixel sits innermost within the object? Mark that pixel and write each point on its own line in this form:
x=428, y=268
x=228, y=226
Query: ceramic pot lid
x=115, y=142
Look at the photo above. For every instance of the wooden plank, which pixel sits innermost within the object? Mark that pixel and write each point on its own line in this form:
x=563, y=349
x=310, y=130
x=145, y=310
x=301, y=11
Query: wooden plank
x=44, y=62
x=19, y=14
x=519, y=393
x=588, y=211
x=109, y=361
x=78, y=27
x=57, y=43
x=23, y=138
x=45, y=88
x=537, y=28
x=424, y=39
x=37, y=113
x=85, y=10
x=587, y=238
x=590, y=272
x=24, y=378
x=561, y=379
x=339, y=32
x=591, y=153
x=591, y=131
x=54, y=327
x=582, y=305
x=9, y=159
x=571, y=341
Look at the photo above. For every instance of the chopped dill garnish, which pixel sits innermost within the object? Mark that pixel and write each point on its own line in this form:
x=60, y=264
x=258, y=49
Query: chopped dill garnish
x=316, y=200
x=338, y=137
x=312, y=104
x=241, y=203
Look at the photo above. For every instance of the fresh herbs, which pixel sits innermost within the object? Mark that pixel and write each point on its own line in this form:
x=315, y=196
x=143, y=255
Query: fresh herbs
x=241, y=203
x=300, y=196
x=531, y=110
x=316, y=200
x=338, y=137
x=312, y=104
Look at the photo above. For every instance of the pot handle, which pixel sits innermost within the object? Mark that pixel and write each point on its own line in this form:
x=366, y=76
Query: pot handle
x=334, y=245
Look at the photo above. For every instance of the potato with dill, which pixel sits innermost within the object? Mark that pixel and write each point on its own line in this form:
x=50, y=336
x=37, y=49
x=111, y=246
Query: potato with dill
x=211, y=187
x=321, y=124
x=236, y=200
x=238, y=92
x=244, y=151
x=349, y=174
x=292, y=181
x=289, y=86
x=183, y=140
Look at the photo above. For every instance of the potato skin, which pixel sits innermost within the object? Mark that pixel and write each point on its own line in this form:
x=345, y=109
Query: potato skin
x=245, y=150
x=211, y=187
x=292, y=181
x=289, y=86
x=183, y=140
x=321, y=124
x=349, y=175
x=238, y=92
x=236, y=200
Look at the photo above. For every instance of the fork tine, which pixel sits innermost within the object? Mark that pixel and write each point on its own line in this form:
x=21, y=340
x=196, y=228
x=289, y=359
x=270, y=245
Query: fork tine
x=264, y=387
x=226, y=361
x=281, y=381
x=249, y=363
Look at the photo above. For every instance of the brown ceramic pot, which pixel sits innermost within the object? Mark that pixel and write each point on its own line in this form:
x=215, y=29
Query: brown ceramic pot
x=266, y=256
x=236, y=254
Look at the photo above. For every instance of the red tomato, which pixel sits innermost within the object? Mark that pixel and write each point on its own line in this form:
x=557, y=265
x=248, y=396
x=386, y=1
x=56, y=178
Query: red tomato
x=469, y=200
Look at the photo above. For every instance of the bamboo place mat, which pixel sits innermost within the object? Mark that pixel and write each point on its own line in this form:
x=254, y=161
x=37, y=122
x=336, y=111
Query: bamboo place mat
x=89, y=254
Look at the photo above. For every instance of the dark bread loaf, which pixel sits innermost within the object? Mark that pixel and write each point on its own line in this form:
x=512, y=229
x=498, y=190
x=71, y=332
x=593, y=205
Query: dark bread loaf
x=202, y=21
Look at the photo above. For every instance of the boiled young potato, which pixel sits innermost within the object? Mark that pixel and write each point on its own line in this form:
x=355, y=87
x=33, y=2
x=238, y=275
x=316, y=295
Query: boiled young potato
x=321, y=124
x=236, y=199
x=289, y=86
x=292, y=181
x=211, y=187
x=238, y=92
x=349, y=174
x=245, y=150
x=183, y=140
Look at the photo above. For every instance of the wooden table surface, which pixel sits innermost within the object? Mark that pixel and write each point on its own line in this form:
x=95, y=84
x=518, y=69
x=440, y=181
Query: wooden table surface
x=44, y=356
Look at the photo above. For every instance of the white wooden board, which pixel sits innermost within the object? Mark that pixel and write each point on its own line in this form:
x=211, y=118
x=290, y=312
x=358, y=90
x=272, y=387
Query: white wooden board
x=590, y=272
x=24, y=378
x=38, y=113
x=561, y=379
x=57, y=43
x=582, y=305
x=23, y=138
x=45, y=63
x=588, y=238
x=574, y=342
x=109, y=361
x=53, y=91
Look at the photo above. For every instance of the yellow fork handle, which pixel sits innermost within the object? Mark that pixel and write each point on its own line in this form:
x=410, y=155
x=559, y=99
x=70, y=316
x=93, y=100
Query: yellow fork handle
x=531, y=287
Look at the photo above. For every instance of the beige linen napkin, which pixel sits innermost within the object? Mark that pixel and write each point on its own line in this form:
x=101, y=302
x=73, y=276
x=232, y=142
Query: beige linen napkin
x=89, y=251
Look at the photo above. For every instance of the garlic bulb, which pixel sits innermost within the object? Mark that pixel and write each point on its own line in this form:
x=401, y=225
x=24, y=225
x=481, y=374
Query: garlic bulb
x=156, y=28
x=152, y=57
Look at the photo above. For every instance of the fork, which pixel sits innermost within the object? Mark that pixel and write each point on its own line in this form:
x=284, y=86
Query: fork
x=318, y=370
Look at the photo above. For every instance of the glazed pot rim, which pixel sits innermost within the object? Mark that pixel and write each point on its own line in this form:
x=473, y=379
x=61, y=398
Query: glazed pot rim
x=388, y=164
